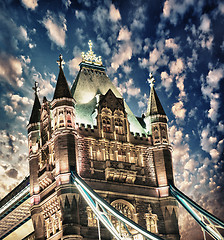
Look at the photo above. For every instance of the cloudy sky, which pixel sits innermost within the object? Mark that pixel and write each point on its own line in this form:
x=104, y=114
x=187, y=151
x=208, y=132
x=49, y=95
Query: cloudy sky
x=180, y=42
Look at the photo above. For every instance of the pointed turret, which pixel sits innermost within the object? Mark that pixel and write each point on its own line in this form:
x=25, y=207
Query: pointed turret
x=155, y=110
x=35, y=115
x=154, y=104
x=62, y=89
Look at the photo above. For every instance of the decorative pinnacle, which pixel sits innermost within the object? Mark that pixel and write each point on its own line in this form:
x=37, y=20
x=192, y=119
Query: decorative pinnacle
x=60, y=61
x=90, y=45
x=36, y=87
x=151, y=80
x=90, y=56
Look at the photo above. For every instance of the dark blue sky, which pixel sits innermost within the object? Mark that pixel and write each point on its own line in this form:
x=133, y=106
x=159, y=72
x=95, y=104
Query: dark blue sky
x=180, y=42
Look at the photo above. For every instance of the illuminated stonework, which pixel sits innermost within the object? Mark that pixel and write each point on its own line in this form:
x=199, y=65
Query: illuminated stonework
x=125, y=159
x=90, y=56
x=151, y=221
x=128, y=210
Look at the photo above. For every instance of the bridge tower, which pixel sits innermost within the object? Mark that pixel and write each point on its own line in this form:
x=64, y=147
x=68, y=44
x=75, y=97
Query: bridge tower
x=125, y=159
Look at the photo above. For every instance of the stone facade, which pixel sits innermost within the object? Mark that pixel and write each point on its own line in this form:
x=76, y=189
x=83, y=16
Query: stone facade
x=129, y=170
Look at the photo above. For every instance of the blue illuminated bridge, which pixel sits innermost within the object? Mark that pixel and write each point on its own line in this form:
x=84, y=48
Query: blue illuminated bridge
x=105, y=212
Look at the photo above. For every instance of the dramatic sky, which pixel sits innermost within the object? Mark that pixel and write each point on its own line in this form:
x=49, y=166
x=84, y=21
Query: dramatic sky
x=180, y=42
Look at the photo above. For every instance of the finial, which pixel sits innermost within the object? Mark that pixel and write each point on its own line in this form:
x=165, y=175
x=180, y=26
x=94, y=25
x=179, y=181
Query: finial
x=150, y=209
x=90, y=56
x=60, y=61
x=90, y=45
x=151, y=80
x=36, y=87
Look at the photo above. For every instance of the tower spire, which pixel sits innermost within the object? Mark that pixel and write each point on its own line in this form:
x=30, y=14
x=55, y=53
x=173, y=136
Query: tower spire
x=35, y=115
x=154, y=104
x=60, y=62
x=62, y=88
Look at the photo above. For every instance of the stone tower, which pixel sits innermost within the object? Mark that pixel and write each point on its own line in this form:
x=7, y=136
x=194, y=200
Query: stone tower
x=125, y=159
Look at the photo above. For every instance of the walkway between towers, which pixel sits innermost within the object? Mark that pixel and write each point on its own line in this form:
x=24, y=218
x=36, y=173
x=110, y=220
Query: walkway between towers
x=105, y=212
x=107, y=215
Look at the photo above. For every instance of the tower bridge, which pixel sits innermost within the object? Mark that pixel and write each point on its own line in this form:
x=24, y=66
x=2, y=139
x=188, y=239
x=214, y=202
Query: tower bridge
x=96, y=170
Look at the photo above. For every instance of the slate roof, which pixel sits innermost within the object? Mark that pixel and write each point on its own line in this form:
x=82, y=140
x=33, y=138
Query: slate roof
x=35, y=115
x=90, y=81
x=62, y=88
x=154, y=104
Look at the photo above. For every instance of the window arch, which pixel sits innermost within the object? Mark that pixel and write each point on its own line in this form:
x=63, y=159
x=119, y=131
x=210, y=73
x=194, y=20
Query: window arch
x=118, y=126
x=127, y=209
x=106, y=122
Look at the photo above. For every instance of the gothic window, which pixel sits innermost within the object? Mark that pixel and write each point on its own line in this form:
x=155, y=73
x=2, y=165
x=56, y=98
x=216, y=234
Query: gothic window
x=118, y=126
x=151, y=221
x=61, y=120
x=156, y=133
x=133, y=157
x=126, y=209
x=164, y=134
x=69, y=121
x=106, y=121
x=92, y=221
x=121, y=155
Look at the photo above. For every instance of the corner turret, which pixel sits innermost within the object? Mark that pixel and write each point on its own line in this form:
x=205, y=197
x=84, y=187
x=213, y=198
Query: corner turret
x=33, y=127
x=155, y=117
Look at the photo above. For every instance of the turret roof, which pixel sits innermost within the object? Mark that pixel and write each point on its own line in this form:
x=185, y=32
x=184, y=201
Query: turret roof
x=35, y=115
x=154, y=104
x=62, y=88
x=90, y=81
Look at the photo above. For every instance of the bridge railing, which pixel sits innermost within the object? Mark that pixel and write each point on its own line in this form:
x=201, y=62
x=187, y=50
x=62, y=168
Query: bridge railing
x=208, y=222
x=104, y=211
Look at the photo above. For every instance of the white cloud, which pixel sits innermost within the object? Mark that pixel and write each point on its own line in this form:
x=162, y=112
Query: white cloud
x=143, y=62
x=207, y=141
x=80, y=15
x=221, y=7
x=114, y=13
x=141, y=104
x=214, y=106
x=23, y=33
x=104, y=46
x=127, y=87
x=154, y=56
x=73, y=65
x=9, y=110
x=173, y=10
x=139, y=18
x=166, y=80
x=176, y=67
x=10, y=69
x=214, y=77
x=124, y=54
x=166, y=9
x=32, y=4
x=220, y=127
x=67, y=3
x=170, y=43
x=56, y=27
x=124, y=34
x=178, y=110
x=205, y=23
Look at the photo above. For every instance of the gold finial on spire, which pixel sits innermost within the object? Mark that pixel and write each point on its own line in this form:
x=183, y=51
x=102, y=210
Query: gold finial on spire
x=90, y=45
x=36, y=87
x=90, y=56
x=60, y=62
x=151, y=80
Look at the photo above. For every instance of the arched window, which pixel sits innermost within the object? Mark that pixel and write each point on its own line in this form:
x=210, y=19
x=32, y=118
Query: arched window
x=118, y=126
x=121, y=155
x=127, y=209
x=151, y=221
x=106, y=121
